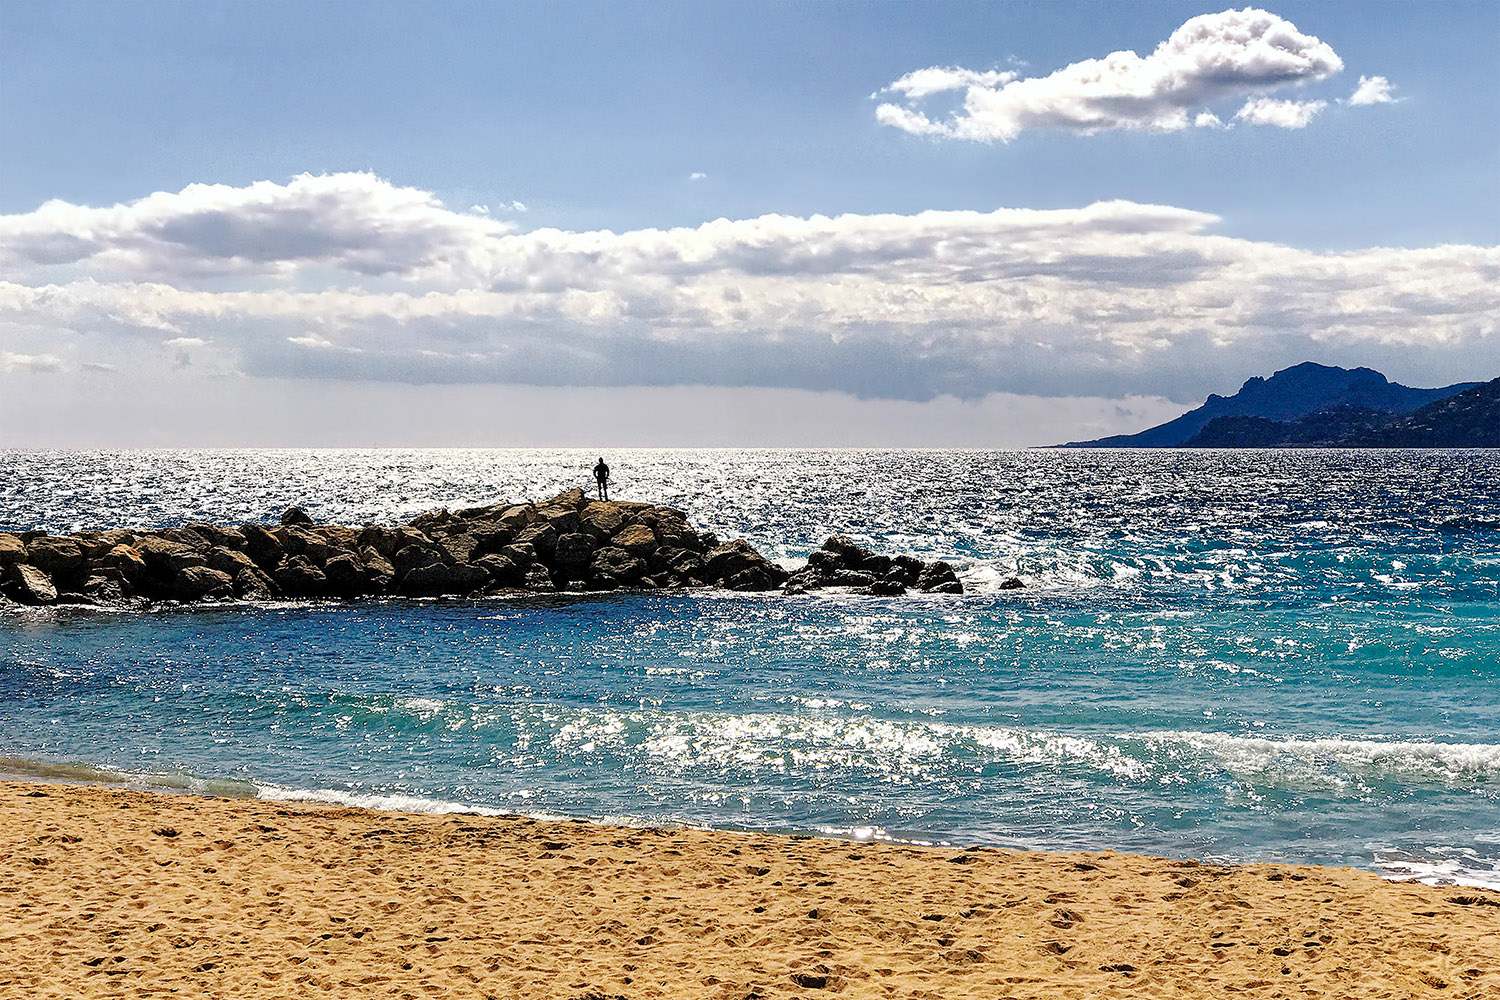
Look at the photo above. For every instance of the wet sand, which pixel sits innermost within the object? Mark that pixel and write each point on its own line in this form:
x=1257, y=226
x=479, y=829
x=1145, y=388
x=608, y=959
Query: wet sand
x=107, y=892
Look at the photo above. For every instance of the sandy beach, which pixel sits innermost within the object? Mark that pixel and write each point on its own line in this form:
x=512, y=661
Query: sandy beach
x=109, y=892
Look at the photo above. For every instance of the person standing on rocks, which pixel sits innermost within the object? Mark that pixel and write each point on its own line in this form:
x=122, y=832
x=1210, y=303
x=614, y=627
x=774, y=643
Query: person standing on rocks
x=601, y=478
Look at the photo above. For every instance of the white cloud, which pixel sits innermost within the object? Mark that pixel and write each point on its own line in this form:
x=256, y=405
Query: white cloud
x=1282, y=114
x=697, y=175
x=312, y=341
x=1234, y=53
x=1107, y=299
x=355, y=222
x=1372, y=90
x=37, y=363
x=1207, y=119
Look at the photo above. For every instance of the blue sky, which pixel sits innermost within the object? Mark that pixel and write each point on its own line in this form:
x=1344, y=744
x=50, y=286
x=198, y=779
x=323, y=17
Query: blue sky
x=637, y=118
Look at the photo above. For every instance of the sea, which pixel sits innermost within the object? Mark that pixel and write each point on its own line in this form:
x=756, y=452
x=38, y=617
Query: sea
x=1226, y=655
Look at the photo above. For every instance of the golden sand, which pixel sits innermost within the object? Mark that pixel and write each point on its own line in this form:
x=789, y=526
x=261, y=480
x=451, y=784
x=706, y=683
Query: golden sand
x=107, y=892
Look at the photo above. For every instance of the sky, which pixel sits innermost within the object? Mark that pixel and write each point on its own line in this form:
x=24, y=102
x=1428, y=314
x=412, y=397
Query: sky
x=759, y=224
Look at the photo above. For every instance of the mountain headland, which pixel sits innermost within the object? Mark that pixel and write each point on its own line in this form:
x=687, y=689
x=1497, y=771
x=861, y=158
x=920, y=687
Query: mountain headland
x=1312, y=405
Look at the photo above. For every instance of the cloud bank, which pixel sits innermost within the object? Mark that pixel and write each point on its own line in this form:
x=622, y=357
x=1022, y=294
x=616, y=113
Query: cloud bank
x=349, y=277
x=1233, y=54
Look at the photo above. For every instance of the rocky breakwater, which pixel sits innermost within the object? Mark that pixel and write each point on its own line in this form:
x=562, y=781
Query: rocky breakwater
x=565, y=543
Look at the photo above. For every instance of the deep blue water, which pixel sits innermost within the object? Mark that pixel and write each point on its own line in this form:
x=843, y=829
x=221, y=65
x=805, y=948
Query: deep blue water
x=1262, y=655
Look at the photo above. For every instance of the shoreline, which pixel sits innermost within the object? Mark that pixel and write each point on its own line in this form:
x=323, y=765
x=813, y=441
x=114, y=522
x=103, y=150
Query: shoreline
x=109, y=891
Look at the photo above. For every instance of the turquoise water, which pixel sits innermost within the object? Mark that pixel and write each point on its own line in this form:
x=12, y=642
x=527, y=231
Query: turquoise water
x=1265, y=655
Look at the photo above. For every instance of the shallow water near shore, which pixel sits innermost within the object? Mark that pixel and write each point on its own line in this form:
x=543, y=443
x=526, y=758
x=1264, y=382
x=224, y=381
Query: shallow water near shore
x=1234, y=655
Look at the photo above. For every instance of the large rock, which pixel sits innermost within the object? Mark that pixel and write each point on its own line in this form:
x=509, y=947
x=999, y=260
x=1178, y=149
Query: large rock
x=939, y=578
x=517, y=517
x=573, y=499
x=540, y=536
x=378, y=570
x=229, y=561
x=502, y=570
x=383, y=540
x=489, y=536
x=638, y=539
x=300, y=541
x=262, y=546
x=92, y=544
x=602, y=520
x=523, y=554
x=254, y=584
x=456, y=549
x=414, y=557
x=197, y=583
x=229, y=538
x=188, y=537
x=737, y=566
x=613, y=567
x=12, y=550
x=346, y=575
x=106, y=586
x=29, y=585
x=573, y=554
x=59, y=558
x=126, y=561
x=295, y=515
x=298, y=577
x=165, y=558
x=439, y=579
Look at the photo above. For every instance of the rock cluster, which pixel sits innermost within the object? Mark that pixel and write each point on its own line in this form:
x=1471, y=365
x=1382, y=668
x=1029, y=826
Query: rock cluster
x=841, y=563
x=567, y=542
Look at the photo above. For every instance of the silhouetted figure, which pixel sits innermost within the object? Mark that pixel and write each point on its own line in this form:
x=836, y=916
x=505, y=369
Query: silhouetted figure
x=601, y=477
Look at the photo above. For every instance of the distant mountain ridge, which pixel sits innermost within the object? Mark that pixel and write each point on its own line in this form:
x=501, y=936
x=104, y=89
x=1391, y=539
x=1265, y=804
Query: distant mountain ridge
x=1288, y=395
x=1468, y=419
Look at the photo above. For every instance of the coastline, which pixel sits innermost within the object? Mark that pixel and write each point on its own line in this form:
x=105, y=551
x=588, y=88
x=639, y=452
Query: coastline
x=120, y=892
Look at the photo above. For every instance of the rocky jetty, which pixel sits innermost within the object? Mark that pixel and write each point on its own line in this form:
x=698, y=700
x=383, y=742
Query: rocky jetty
x=566, y=543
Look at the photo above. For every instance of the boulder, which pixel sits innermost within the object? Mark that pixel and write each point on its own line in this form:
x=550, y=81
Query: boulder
x=379, y=571
x=29, y=585
x=503, y=571
x=339, y=537
x=439, y=579
x=166, y=558
x=523, y=554
x=456, y=549
x=295, y=515
x=542, y=537
x=685, y=564
x=385, y=541
x=1011, y=583
x=253, y=585
x=613, y=567
x=298, y=577
x=939, y=578
x=262, y=546
x=490, y=536
x=573, y=499
x=431, y=519
x=59, y=558
x=230, y=561
x=517, y=517
x=92, y=544
x=12, y=550
x=125, y=560
x=414, y=557
x=636, y=538
x=197, y=583
x=188, y=537
x=309, y=543
x=229, y=538
x=739, y=567
x=601, y=519
x=573, y=554
x=106, y=586
x=346, y=575
x=887, y=588
x=539, y=580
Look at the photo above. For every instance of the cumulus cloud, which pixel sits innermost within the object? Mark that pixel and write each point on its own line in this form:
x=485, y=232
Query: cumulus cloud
x=1372, y=90
x=1235, y=53
x=10, y=361
x=353, y=221
x=1106, y=299
x=1207, y=119
x=1282, y=114
x=184, y=342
